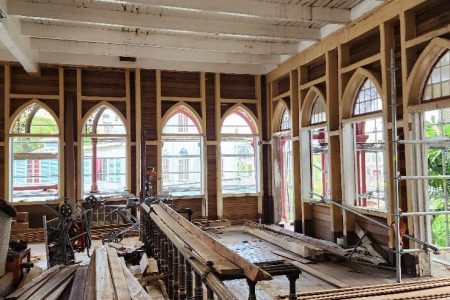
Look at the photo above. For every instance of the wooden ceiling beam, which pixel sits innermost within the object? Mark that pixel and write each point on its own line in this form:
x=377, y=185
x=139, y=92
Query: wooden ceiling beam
x=250, y=8
x=114, y=50
x=143, y=38
x=93, y=15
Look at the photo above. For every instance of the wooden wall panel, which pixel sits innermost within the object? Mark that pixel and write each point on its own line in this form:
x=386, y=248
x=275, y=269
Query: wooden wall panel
x=45, y=84
x=210, y=108
x=376, y=233
x=194, y=204
x=433, y=15
x=103, y=83
x=148, y=104
x=235, y=86
x=321, y=222
x=180, y=84
x=36, y=213
x=2, y=174
x=364, y=47
x=238, y=209
x=283, y=85
x=151, y=161
x=2, y=108
x=212, y=183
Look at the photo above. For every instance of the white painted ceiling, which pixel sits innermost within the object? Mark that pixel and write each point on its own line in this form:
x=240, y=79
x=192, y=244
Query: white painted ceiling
x=233, y=36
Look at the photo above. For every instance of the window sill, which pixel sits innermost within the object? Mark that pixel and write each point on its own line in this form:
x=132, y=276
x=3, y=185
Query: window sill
x=370, y=212
x=241, y=195
x=25, y=203
x=186, y=197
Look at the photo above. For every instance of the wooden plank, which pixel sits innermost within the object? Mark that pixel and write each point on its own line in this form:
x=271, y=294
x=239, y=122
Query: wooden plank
x=117, y=275
x=79, y=284
x=60, y=289
x=42, y=277
x=252, y=271
x=287, y=243
x=366, y=242
x=291, y=256
x=103, y=283
x=320, y=275
x=324, y=245
x=52, y=284
x=134, y=288
x=206, y=253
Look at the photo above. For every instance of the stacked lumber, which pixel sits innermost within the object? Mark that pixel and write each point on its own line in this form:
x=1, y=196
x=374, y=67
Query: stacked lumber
x=51, y=284
x=307, y=241
x=110, y=279
x=36, y=235
x=424, y=289
x=302, y=245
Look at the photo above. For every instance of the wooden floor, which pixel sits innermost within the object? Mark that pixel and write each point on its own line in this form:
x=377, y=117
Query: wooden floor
x=351, y=273
x=256, y=249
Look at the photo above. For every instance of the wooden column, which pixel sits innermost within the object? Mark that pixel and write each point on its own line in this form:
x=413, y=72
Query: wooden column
x=218, y=152
x=295, y=134
x=334, y=146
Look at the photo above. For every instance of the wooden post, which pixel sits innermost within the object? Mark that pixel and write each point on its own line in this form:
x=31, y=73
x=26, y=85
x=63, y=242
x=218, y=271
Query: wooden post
x=334, y=145
x=189, y=287
x=169, y=268
x=181, y=277
x=251, y=289
x=175, y=278
x=198, y=292
x=218, y=153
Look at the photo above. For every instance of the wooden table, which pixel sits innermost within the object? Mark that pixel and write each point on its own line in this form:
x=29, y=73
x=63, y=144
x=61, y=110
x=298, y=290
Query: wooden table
x=13, y=262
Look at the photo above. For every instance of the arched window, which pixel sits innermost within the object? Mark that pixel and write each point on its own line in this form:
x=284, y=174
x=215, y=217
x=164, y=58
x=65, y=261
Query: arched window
x=368, y=99
x=435, y=129
x=318, y=140
x=182, y=152
x=285, y=121
x=438, y=82
x=239, y=153
x=34, y=139
x=104, y=153
x=369, y=149
x=282, y=140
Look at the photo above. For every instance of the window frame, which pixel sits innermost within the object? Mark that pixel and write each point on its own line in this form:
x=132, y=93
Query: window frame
x=120, y=137
x=11, y=136
x=349, y=152
x=250, y=119
x=188, y=113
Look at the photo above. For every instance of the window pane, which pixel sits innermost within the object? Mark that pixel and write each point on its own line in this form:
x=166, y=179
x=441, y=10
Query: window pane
x=182, y=166
x=369, y=162
x=104, y=165
x=238, y=122
x=238, y=165
x=182, y=122
x=368, y=99
x=104, y=120
x=35, y=168
x=319, y=163
x=318, y=112
x=35, y=120
x=438, y=82
x=437, y=123
x=285, y=121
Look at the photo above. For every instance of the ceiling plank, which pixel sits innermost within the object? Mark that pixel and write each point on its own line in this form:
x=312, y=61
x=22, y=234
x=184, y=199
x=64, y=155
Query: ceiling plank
x=250, y=8
x=91, y=15
x=150, y=52
x=104, y=35
x=12, y=39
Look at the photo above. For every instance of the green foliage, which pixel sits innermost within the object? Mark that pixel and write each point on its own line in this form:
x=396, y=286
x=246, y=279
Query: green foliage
x=438, y=161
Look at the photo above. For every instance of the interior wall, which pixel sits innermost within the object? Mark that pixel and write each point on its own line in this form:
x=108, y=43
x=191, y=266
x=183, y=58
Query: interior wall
x=142, y=97
x=332, y=65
